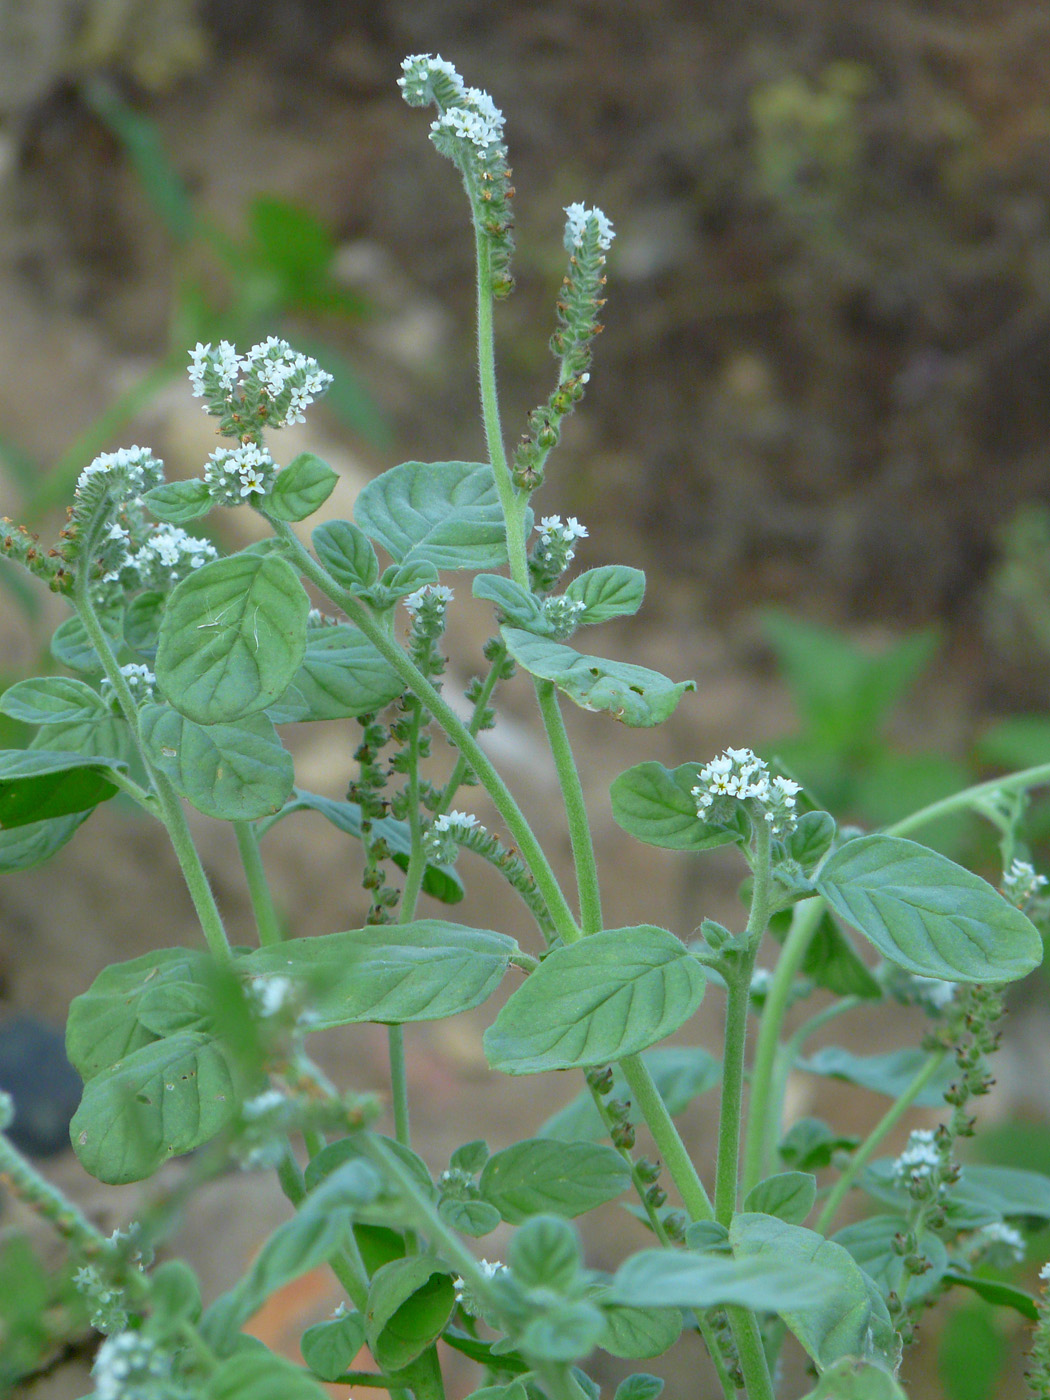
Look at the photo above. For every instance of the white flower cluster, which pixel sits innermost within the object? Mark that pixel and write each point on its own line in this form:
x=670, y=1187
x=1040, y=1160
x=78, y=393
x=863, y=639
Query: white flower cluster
x=234, y=474
x=141, y=682
x=1021, y=883
x=455, y=821
x=556, y=548
x=271, y=369
x=739, y=775
x=271, y=994
x=563, y=614
x=446, y=833
x=107, y=1312
x=433, y=597
x=169, y=554
x=471, y=115
x=422, y=72
x=918, y=1161
x=1000, y=1238
x=478, y=121
x=577, y=220
x=1044, y=1273
x=464, y=1297
x=132, y=470
x=130, y=1366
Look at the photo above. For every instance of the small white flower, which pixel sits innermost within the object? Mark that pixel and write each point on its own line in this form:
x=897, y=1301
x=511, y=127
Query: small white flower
x=262, y=1104
x=577, y=220
x=271, y=993
x=997, y=1232
x=1044, y=1272
x=455, y=821
x=435, y=593
x=918, y=1160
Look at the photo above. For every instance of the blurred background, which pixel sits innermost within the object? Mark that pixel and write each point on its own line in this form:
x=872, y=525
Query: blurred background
x=818, y=418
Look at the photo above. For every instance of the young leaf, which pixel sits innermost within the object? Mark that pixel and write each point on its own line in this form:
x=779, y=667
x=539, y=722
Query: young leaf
x=379, y=1244
x=71, y=646
x=233, y=637
x=639, y=1387
x=37, y=784
x=330, y=1347
x=788, y=1195
x=613, y=590
x=545, y=1253
x=234, y=772
x=164, y=1099
x=888, y=1074
x=656, y=805
x=663, y=1278
x=445, y=512
x=927, y=914
x=637, y=1333
x=294, y=1248
x=116, y=1015
x=301, y=487
x=260, y=1375
x=471, y=1157
x=539, y=1176
x=409, y=1302
x=566, y=1332
x=811, y=839
x=849, y=1318
x=439, y=881
x=106, y=737
x=635, y=695
x=1002, y=1295
x=610, y=995
x=475, y=1218
x=421, y=971
x=26, y=846
x=179, y=502
x=142, y=619
x=347, y=554
x=52, y=700
x=680, y=1072
x=832, y=961
x=810, y=1144
x=516, y=604
x=853, y=1379
x=341, y=676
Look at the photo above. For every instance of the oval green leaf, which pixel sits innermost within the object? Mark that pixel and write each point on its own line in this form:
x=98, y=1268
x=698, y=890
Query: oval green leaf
x=233, y=637
x=179, y=502
x=234, y=772
x=341, y=676
x=927, y=914
x=656, y=805
x=542, y=1176
x=52, y=700
x=38, y=784
x=409, y=1302
x=888, y=1074
x=788, y=1195
x=610, y=995
x=330, y=1347
x=663, y=1278
x=26, y=846
x=347, y=554
x=301, y=487
x=260, y=1375
x=613, y=590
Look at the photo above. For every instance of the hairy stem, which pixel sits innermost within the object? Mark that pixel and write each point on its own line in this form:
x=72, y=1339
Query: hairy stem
x=266, y=920
x=575, y=808
x=668, y=1140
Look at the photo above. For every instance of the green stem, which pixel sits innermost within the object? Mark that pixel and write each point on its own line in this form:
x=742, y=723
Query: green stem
x=762, y=1122
x=737, y=1006
x=753, y=1364
x=461, y=767
x=971, y=797
x=667, y=1138
x=575, y=808
x=885, y=1125
x=512, y=501
x=446, y=717
x=399, y=1084
x=171, y=812
x=21, y=1177
x=267, y=922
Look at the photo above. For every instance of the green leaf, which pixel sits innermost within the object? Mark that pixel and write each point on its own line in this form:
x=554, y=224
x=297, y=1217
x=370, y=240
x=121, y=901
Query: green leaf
x=927, y=914
x=420, y=971
x=639, y=1387
x=330, y=1347
x=610, y=995
x=832, y=961
x=516, y=604
x=656, y=805
x=164, y=1099
x=888, y=1074
x=234, y=772
x=175, y=1297
x=446, y=512
x=853, y=1379
x=662, y=1278
x=378, y=1243
x=635, y=695
x=810, y=1144
x=26, y=846
x=104, y=737
x=811, y=839
x=53, y=700
x=870, y=1242
x=439, y=881
x=471, y=1157
x=1001, y=1295
x=567, y=1332
x=540, y=1176
x=301, y=487
x=233, y=637
x=118, y=1014
x=680, y=1072
x=341, y=676
x=849, y=1318
x=347, y=554
x=475, y=1218
x=634, y=1333
x=71, y=646
x=294, y=1248
x=545, y=1253
x=259, y=1375
x=613, y=590
x=514, y=1391
x=788, y=1195
x=409, y=1302
x=37, y=784
x=142, y=619
x=1005, y=1190
x=179, y=502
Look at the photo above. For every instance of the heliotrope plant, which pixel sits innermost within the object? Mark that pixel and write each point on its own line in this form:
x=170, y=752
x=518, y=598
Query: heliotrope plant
x=186, y=664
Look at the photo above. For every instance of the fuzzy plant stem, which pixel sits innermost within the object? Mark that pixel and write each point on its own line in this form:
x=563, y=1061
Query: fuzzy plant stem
x=575, y=808
x=971, y=798
x=168, y=802
x=266, y=920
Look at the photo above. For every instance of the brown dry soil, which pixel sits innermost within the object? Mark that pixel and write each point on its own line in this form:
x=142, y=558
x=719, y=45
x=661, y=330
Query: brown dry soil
x=823, y=382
